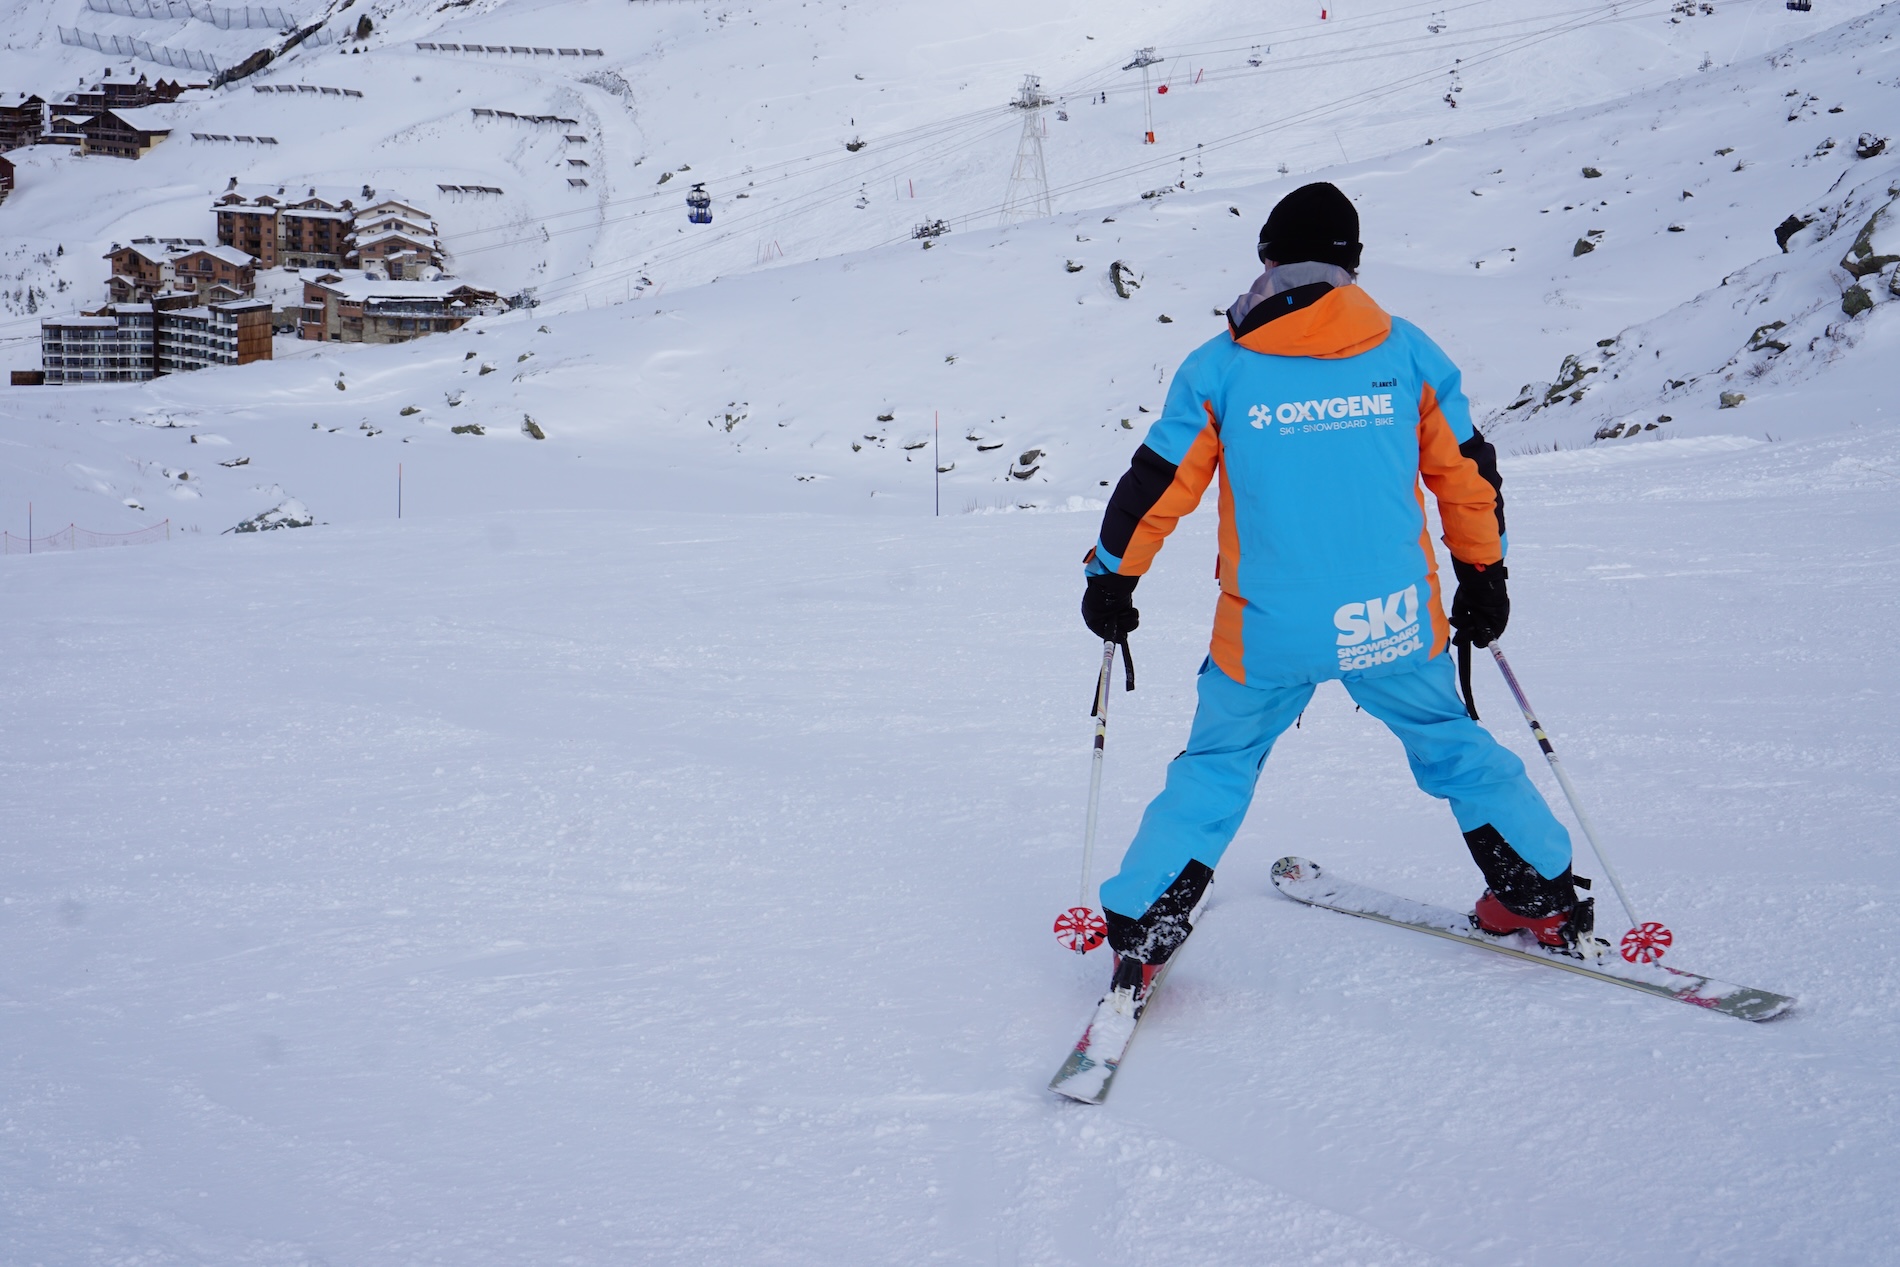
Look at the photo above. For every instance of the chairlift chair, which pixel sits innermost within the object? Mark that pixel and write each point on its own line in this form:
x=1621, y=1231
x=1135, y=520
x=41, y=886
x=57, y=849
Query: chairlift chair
x=699, y=205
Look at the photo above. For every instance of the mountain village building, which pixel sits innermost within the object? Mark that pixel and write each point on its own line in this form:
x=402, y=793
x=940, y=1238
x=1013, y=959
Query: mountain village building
x=326, y=231
x=124, y=133
x=213, y=274
x=235, y=333
x=107, y=118
x=22, y=119
x=6, y=177
x=64, y=127
x=135, y=342
x=124, y=94
x=181, y=304
x=307, y=232
x=313, y=233
x=364, y=308
x=400, y=238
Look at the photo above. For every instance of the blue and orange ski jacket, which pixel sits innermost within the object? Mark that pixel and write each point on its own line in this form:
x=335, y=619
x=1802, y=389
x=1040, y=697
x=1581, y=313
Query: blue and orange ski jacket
x=1326, y=419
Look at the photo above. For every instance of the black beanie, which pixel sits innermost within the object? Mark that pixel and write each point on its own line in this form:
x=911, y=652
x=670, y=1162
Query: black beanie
x=1314, y=222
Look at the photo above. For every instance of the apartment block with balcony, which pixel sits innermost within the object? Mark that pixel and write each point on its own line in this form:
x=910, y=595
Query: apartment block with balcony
x=326, y=229
x=219, y=334
x=313, y=234
x=124, y=133
x=22, y=119
x=115, y=346
x=135, y=342
x=364, y=308
x=251, y=228
x=147, y=266
x=124, y=94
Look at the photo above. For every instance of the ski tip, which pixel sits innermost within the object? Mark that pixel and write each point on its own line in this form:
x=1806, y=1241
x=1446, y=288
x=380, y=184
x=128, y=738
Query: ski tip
x=1076, y=1096
x=1083, y=1080
x=1763, y=1006
x=1293, y=869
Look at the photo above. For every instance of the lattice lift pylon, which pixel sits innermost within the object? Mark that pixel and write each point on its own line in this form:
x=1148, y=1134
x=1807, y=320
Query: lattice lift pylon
x=1028, y=196
x=1144, y=58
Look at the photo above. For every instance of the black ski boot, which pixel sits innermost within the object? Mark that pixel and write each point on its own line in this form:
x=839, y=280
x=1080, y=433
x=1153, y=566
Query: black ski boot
x=1521, y=900
x=1143, y=946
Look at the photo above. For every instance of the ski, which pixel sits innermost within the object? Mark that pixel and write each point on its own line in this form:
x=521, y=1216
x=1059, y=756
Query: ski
x=1085, y=1076
x=1305, y=881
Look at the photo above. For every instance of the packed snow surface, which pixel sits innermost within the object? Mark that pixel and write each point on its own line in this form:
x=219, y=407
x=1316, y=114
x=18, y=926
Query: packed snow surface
x=644, y=849
x=644, y=886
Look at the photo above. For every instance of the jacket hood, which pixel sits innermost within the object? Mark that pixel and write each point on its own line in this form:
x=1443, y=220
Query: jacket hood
x=1342, y=322
x=1277, y=281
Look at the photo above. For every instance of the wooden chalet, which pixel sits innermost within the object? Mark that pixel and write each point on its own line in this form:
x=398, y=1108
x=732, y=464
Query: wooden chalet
x=22, y=120
x=123, y=133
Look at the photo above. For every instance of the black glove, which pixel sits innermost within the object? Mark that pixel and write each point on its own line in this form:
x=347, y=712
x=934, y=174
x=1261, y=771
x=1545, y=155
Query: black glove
x=1481, y=607
x=1108, y=606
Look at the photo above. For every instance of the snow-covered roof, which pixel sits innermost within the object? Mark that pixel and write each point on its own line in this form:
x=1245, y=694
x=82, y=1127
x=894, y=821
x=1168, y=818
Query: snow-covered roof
x=390, y=206
x=284, y=193
x=229, y=254
x=150, y=251
x=144, y=118
x=93, y=322
x=361, y=287
x=163, y=252
x=414, y=239
x=377, y=224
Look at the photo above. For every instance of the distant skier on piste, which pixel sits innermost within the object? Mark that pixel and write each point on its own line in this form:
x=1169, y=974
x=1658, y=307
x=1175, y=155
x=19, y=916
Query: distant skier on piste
x=1323, y=416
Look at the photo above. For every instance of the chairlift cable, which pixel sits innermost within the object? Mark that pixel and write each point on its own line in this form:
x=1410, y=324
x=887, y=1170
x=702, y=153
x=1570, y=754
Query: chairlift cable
x=1577, y=20
x=926, y=132
x=789, y=206
x=1502, y=46
x=1319, y=111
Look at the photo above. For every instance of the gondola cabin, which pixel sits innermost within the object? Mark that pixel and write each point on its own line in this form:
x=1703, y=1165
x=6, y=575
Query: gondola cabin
x=699, y=205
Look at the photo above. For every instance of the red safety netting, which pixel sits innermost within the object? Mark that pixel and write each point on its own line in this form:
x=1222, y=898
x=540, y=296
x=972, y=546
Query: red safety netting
x=73, y=537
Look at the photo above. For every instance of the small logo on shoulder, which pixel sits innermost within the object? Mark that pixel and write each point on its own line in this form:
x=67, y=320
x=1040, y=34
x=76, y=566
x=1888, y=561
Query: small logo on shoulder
x=1385, y=382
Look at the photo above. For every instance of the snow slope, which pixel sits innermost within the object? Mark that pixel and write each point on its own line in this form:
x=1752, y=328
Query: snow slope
x=759, y=102
x=617, y=886
x=644, y=850
x=738, y=385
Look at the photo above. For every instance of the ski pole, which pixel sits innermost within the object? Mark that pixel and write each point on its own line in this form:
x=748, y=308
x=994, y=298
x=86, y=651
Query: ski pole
x=1095, y=768
x=1080, y=928
x=1644, y=941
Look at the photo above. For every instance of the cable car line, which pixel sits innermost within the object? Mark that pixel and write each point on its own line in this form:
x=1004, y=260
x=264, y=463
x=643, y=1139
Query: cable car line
x=661, y=202
x=581, y=282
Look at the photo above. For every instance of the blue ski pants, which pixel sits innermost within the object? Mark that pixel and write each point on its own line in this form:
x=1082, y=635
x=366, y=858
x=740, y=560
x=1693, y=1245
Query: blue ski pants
x=1211, y=784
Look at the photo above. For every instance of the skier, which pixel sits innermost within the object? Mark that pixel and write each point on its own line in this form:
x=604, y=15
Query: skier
x=1322, y=414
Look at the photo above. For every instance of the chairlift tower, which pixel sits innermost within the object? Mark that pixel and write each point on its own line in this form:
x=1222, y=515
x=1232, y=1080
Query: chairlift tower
x=1028, y=196
x=1144, y=58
